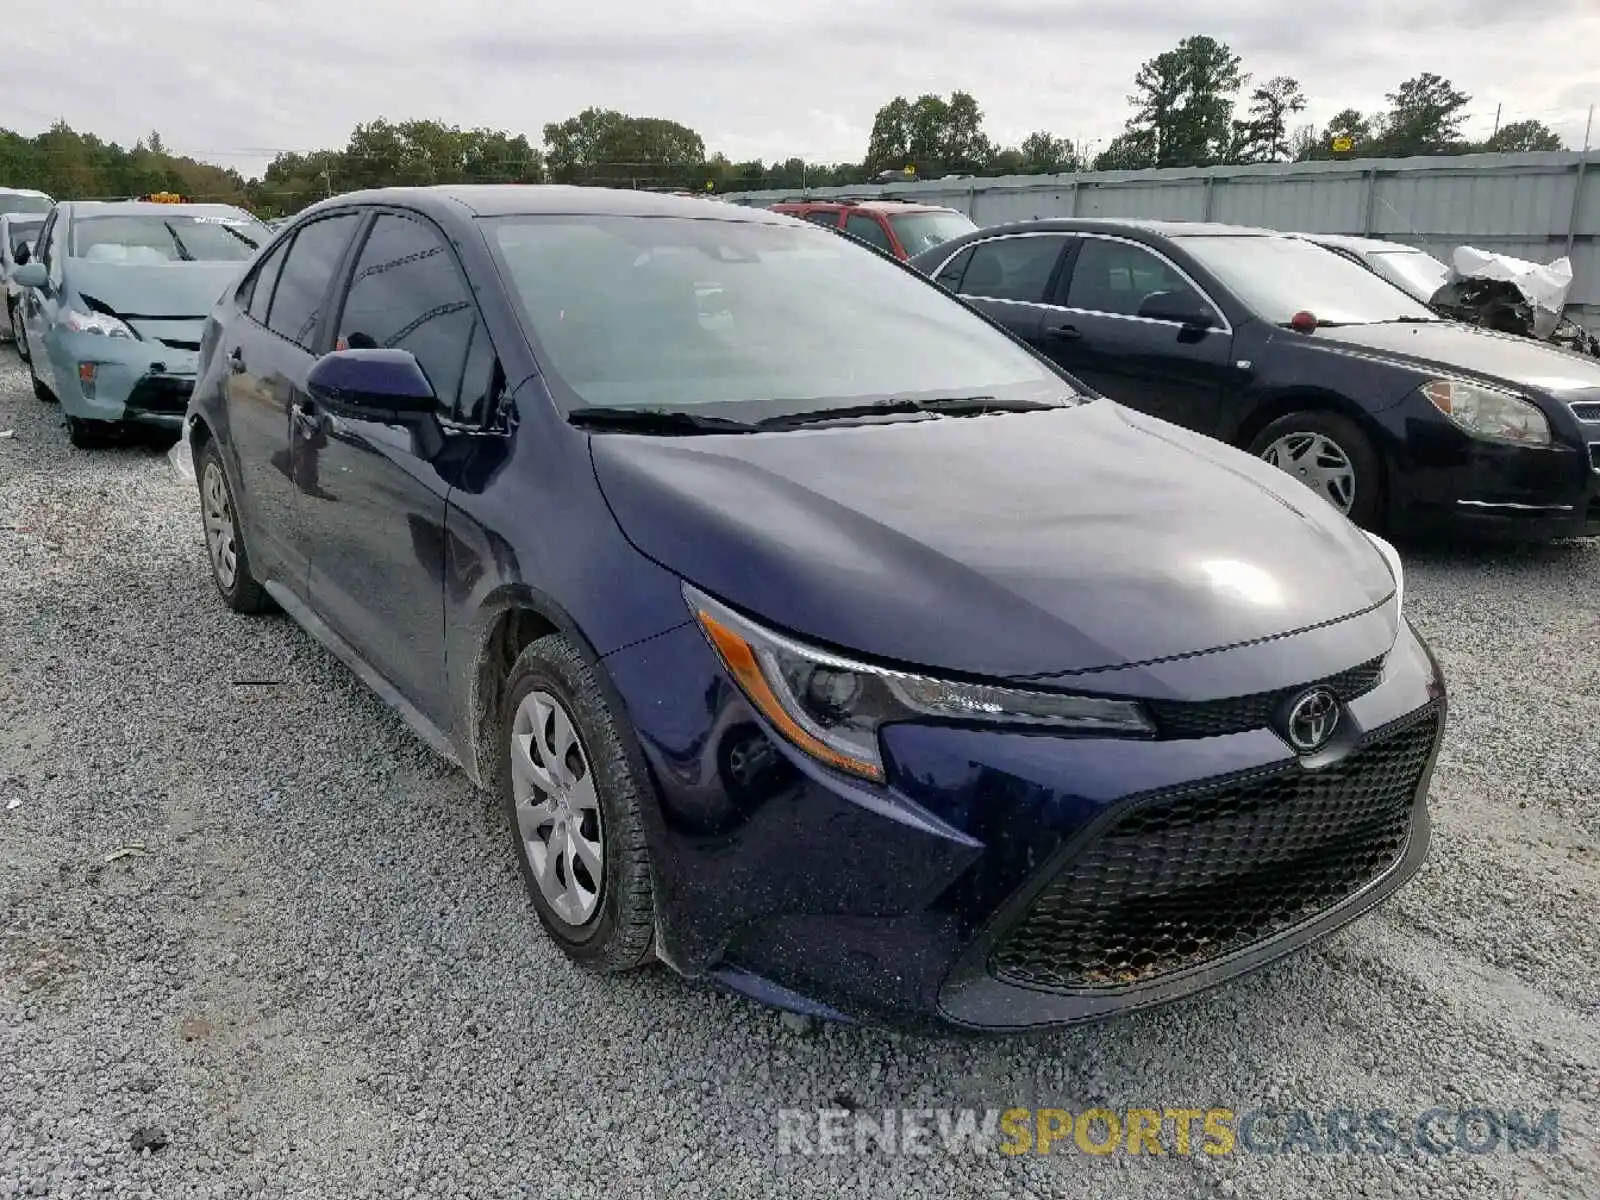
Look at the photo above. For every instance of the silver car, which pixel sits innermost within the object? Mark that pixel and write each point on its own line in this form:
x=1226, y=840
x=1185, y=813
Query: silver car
x=17, y=230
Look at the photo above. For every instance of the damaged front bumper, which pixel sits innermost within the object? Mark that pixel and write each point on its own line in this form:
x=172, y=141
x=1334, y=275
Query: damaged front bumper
x=110, y=379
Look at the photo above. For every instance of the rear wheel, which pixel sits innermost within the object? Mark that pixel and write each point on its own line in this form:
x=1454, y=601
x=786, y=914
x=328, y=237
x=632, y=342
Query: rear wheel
x=1330, y=455
x=85, y=435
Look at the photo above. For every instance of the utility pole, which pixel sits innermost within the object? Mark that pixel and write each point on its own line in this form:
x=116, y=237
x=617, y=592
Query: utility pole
x=1577, y=183
x=1496, y=121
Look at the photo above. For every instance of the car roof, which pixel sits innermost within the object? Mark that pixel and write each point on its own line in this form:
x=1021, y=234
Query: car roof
x=518, y=199
x=122, y=208
x=868, y=205
x=11, y=191
x=1357, y=244
x=1167, y=229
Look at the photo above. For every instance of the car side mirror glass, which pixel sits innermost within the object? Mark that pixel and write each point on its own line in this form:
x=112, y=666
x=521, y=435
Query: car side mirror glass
x=372, y=385
x=22, y=253
x=1182, y=308
x=31, y=275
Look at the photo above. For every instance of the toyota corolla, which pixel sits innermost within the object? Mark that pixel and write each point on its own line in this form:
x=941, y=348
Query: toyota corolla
x=822, y=641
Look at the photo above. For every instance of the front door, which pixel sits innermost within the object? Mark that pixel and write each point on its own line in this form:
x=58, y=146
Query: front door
x=269, y=352
x=1106, y=337
x=41, y=304
x=376, y=502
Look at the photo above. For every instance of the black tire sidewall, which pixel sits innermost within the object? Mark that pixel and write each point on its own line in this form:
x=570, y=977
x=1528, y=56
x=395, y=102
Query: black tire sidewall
x=246, y=594
x=617, y=937
x=1369, y=510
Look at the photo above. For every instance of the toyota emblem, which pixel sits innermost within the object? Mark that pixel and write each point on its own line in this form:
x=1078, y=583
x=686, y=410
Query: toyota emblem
x=1312, y=720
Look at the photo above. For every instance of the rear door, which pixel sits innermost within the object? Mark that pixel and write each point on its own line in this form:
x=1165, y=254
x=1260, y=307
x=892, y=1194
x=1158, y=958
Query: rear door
x=376, y=502
x=268, y=353
x=1011, y=278
x=1167, y=368
x=41, y=304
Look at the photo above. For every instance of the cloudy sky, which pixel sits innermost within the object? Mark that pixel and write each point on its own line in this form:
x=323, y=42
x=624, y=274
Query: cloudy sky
x=236, y=80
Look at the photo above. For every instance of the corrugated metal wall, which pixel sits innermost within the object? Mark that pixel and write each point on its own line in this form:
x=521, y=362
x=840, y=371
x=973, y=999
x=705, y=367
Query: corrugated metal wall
x=1535, y=206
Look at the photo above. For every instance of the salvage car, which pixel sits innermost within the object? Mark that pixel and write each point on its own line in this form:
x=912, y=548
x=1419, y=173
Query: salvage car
x=840, y=650
x=1417, y=271
x=112, y=303
x=17, y=234
x=1394, y=415
x=25, y=201
x=897, y=227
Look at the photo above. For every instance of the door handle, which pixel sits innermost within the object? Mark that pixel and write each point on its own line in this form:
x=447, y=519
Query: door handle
x=1062, y=333
x=236, y=361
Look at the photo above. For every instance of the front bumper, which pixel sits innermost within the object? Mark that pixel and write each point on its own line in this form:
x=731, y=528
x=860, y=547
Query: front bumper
x=1446, y=478
x=896, y=904
x=133, y=382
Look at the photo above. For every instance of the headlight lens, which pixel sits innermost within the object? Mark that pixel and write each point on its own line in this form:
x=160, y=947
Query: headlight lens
x=87, y=322
x=1488, y=412
x=1391, y=556
x=832, y=707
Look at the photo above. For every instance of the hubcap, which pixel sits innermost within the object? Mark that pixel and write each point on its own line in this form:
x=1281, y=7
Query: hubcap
x=218, y=516
x=1319, y=462
x=558, y=812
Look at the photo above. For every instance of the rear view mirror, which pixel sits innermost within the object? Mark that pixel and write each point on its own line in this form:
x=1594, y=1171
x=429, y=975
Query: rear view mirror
x=1182, y=308
x=372, y=385
x=31, y=275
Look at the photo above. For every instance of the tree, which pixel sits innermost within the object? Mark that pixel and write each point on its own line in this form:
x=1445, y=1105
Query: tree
x=930, y=133
x=1264, y=137
x=1424, y=117
x=1347, y=123
x=1042, y=153
x=1134, y=150
x=1523, y=135
x=603, y=145
x=1183, y=98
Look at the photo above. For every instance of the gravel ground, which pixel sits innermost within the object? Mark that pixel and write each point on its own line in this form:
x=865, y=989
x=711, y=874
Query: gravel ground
x=312, y=971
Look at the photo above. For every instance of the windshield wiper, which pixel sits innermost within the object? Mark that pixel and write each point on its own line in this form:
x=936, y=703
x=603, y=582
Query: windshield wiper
x=1409, y=321
x=665, y=421
x=251, y=242
x=948, y=406
x=183, y=251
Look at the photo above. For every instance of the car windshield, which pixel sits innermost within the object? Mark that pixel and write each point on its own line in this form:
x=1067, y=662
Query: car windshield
x=12, y=202
x=921, y=231
x=1420, y=274
x=177, y=236
x=679, y=313
x=23, y=232
x=1277, y=277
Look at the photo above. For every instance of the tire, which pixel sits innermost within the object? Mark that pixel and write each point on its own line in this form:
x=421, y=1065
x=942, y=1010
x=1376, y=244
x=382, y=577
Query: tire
x=84, y=435
x=19, y=335
x=606, y=923
x=1330, y=437
x=219, y=517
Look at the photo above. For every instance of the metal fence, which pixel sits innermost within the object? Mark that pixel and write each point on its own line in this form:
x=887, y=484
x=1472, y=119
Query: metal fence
x=1534, y=206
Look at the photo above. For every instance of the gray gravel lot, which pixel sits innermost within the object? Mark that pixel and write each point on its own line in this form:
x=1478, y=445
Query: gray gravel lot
x=315, y=972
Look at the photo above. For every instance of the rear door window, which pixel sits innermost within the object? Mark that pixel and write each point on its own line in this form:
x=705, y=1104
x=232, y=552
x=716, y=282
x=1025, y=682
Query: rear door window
x=1117, y=278
x=950, y=274
x=1013, y=268
x=256, y=294
x=869, y=230
x=301, y=296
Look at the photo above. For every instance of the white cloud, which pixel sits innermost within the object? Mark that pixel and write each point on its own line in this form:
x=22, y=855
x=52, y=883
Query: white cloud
x=235, y=82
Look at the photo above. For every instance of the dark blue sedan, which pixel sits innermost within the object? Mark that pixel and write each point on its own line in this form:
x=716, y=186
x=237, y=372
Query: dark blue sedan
x=822, y=640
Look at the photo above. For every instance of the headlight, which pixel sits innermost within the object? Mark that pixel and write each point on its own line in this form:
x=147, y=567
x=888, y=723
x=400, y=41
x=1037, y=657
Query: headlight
x=1489, y=413
x=832, y=707
x=1391, y=556
x=86, y=322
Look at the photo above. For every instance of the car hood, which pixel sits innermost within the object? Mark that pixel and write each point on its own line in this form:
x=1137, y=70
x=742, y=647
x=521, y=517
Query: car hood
x=1465, y=348
x=1012, y=545
x=153, y=290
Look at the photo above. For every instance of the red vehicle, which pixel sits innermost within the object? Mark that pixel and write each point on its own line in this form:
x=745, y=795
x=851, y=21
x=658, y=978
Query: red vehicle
x=898, y=226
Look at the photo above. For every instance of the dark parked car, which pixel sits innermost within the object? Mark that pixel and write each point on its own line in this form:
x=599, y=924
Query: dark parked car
x=820, y=640
x=1305, y=358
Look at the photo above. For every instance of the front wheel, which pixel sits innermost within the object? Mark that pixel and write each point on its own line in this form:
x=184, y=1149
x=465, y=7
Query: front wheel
x=230, y=565
x=1330, y=455
x=19, y=335
x=573, y=802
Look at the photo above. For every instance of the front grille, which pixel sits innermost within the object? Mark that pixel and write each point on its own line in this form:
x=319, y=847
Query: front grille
x=160, y=394
x=179, y=343
x=1186, y=878
x=1212, y=718
x=1586, y=411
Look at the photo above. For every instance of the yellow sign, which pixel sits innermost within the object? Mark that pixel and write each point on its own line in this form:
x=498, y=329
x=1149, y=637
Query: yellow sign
x=911, y=169
x=1343, y=144
x=164, y=198
x=711, y=185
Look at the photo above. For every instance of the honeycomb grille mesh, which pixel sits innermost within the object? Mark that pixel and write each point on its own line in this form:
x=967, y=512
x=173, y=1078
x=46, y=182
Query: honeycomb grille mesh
x=1212, y=718
x=1187, y=879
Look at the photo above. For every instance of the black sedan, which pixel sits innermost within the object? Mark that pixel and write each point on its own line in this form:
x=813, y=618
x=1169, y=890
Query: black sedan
x=1279, y=346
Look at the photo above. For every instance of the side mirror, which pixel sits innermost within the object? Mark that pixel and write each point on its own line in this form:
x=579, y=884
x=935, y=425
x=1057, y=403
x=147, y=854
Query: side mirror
x=31, y=275
x=372, y=385
x=21, y=253
x=1183, y=308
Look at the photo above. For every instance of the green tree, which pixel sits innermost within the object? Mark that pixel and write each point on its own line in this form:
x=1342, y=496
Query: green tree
x=1523, y=135
x=1347, y=123
x=930, y=132
x=1264, y=135
x=1134, y=150
x=601, y=145
x=1043, y=153
x=1183, y=98
x=1424, y=117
